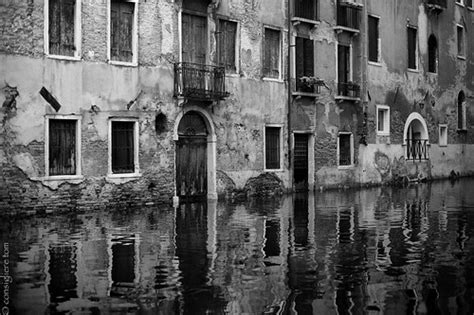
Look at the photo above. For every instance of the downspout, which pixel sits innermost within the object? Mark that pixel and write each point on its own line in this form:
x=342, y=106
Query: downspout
x=288, y=74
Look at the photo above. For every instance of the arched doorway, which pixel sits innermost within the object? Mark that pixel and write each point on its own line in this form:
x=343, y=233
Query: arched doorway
x=415, y=137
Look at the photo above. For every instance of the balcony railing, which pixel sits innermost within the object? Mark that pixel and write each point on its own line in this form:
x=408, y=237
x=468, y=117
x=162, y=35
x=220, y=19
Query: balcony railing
x=417, y=149
x=348, y=89
x=306, y=9
x=438, y=3
x=348, y=15
x=199, y=82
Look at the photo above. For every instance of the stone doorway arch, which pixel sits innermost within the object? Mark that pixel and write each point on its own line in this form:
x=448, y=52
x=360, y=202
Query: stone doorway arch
x=416, y=137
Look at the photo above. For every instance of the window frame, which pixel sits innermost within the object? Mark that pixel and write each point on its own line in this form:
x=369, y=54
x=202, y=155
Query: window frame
x=443, y=139
x=459, y=2
x=77, y=32
x=416, y=69
x=78, y=120
x=134, y=61
x=280, y=52
x=463, y=32
x=136, y=148
x=236, y=44
x=351, y=165
x=379, y=41
x=386, y=109
x=280, y=127
x=351, y=61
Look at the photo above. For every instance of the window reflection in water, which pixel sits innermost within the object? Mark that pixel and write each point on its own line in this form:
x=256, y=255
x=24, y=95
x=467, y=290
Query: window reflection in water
x=62, y=270
x=123, y=268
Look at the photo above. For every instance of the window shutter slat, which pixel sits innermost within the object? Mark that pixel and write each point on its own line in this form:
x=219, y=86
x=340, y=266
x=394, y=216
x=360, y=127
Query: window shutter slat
x=54, y=26
x=67, y=27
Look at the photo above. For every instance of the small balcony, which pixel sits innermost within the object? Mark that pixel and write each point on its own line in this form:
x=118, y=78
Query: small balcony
x=348, y=90
x=417, y=149
x=308, y=86
x=348, y=17
x=199, y=82
x=436, y=5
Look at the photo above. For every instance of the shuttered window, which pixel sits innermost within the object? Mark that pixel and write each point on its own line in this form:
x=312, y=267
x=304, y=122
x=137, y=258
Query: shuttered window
x=373, y=38
x=304, y=62
x=123, y=147
x=345, y=154
x=227, y=40
x=272, y=147
x=306, y=9
x=121, y=30
x=411, y=32
x=61, y=27
x=343, y=63
x=194, y=42
x=271, y=61
x=62, y=147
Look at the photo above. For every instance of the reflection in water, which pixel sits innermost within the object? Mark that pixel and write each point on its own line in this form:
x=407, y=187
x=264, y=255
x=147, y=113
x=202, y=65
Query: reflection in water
x=377, y=251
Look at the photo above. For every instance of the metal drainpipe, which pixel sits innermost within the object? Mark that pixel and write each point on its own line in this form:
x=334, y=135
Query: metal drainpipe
x=289, y=91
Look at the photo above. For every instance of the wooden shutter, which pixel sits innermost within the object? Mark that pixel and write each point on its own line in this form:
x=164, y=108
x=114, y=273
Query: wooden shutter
x=343, y=63
x=373, y=38
x=271, y=64
x=121, y=26
x=187, y=40
x=194, y=41
x=62, y=147
x=299, y=57
x=123, y=147
x=272, y=147
x=54, y=26
x=227, y=39
x=61, y=27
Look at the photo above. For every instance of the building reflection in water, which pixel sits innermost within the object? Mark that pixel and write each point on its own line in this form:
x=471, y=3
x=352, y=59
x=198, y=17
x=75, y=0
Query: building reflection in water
x=362, y=252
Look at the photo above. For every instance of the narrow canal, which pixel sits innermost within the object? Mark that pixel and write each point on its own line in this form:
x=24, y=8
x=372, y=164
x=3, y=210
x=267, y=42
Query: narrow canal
x=374, y=251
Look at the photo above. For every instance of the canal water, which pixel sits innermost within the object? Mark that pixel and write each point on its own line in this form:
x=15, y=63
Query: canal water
x=374, y=251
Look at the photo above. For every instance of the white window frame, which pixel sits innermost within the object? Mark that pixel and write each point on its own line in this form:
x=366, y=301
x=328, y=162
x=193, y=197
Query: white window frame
x=77, y=32
x=386, y=109
x=265, y=169
x=136, y=148
x=78, y=120
x=379, y=43
x=352, y=150
x=443, y=137
x=463, y=53
x=237, y=45
x=460, y=2
x=417, y=66
x=280, y=50
x=134, y=61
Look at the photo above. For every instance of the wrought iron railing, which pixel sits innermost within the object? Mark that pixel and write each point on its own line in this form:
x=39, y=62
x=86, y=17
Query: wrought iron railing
x=306, y=9
x=440, y=3
x=417, y=149
x=348, y=89
x=199, y=82
x=348, y=15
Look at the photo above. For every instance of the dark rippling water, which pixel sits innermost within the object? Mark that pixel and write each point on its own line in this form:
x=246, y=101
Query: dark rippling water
x=376, y=251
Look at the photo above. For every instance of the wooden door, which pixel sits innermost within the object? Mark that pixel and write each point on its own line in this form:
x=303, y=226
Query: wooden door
x=300, y=166
x=194, y=41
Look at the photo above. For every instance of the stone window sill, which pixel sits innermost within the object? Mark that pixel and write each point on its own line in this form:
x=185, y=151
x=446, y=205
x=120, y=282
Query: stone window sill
x=65, y=178
x=304, y=94
x=413, y=70
x=375, y=63
x=123, y=63
x=345, y=167
x=278, y=80
x=68, y=58
x=279, y=170
x=461, y=57
x=298, y=20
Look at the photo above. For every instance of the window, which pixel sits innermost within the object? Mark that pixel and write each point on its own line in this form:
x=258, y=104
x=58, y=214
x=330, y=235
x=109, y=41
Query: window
x=345, y=149
x=469, y=4
x=443, y=135
x=123, y=32
x=432, y=54
x=123, y=147
x=63, y=28
x=345, y=86
x=271, y=59
x=412, y=48
x=460, y=39
x=304, y=63
x=461, y=2
x=461, y=111
x=272, y=147
x=306, y=9
x=383, y=120
x=226, y=45
x=63, y=146
x=374, y=40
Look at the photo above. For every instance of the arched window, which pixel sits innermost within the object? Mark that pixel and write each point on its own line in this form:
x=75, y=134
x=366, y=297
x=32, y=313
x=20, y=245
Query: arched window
x=432, y=54
x=461, y=111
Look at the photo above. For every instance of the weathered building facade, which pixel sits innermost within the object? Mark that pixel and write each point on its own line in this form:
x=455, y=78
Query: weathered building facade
x=133, y=102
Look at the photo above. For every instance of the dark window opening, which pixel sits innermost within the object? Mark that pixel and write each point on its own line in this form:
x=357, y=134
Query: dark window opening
x=62, y=147
x=411, y=33
x=123, y=147
x=272, y=236
x=121, y=30
x=62, y=269
x=460, y=38
x=226, y=46
x=272, y=147
x=123, y=265
x=306, y=9
x=432, y=54
x=271, y=61
x=304, y=63
x=61, y=27
x=345, y=149
x=373, y=38
x=461, y=111
x=161, y=123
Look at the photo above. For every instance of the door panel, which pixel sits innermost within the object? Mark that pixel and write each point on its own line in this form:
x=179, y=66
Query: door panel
x=300, y=167
x=191, y=167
